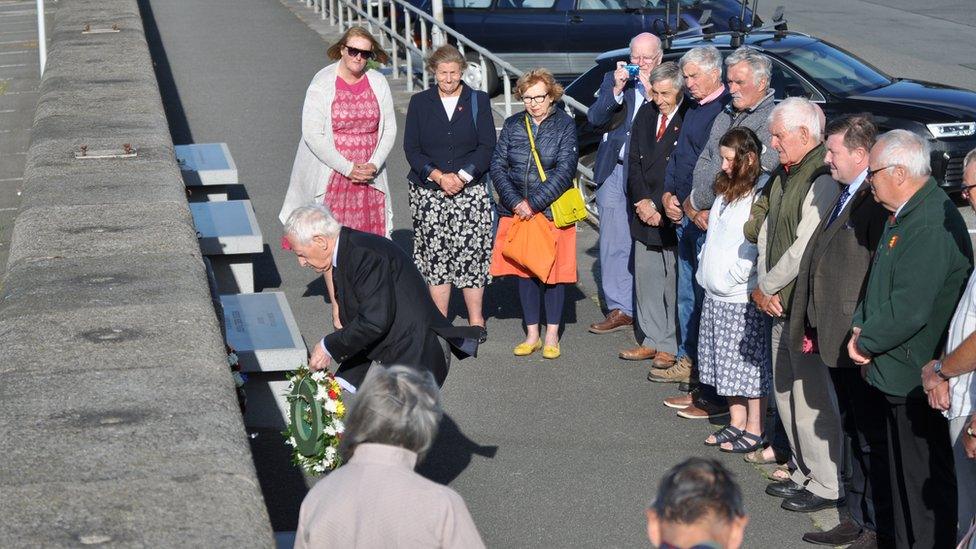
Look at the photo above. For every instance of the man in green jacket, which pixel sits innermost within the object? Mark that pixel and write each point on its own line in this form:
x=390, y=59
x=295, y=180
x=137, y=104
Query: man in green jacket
x=920, y=270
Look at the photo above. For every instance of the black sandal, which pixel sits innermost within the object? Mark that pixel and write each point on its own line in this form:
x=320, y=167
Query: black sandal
x=725, y=434
x=741, y=445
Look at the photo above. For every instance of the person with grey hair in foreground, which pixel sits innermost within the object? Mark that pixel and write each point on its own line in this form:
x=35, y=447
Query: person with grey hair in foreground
x=918, y=274
x=376, y=499
x=385, y=309
x=698, y=506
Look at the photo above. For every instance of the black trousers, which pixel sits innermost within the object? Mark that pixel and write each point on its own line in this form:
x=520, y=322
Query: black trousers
x=922, y=474
x=863, y=421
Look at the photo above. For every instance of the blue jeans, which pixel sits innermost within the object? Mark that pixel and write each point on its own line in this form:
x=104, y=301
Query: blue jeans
x=690, y=297
x=690, y=294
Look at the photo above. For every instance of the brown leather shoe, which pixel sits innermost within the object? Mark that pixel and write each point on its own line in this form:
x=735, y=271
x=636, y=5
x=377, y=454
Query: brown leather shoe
x=615, y=321
x=702, y=409
x=663, y=361
x=679, y=402
x=639, y=352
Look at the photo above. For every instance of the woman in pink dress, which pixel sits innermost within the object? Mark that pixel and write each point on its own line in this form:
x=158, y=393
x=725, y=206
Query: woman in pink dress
x=348, y=129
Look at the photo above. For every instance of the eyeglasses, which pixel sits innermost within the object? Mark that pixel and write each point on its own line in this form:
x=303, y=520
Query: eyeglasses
x=362, y=54
x=871, y=173
x=966, y=188
x=536, y=99
x=639, y=58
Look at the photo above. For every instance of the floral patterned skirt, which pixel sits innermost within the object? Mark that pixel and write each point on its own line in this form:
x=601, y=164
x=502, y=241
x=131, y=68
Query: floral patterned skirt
x=733, y=355
x=452, y=236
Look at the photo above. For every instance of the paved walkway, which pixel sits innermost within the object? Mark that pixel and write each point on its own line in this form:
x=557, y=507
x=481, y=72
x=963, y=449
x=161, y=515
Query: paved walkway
x=19, y=77
x=562, y=453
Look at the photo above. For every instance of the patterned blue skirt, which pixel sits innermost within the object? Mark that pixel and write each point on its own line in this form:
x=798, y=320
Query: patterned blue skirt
x=733, y=353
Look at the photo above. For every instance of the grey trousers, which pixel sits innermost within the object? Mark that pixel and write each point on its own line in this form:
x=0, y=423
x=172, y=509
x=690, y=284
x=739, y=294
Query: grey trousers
x=656, y=286
x=965, y=473
x=807, y=404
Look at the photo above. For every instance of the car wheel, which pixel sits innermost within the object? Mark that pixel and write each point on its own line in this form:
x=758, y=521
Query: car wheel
x=474, y=75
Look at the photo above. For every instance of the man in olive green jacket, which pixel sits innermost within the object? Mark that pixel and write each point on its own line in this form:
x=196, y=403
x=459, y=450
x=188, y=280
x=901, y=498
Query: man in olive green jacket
x=800, y=194
x=920, y=270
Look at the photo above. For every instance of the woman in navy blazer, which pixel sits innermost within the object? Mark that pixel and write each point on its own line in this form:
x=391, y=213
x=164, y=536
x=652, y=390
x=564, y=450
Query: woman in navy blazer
x=448, y=140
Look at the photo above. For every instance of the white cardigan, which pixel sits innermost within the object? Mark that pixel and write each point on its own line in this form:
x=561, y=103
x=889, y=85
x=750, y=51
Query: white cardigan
x=726, y=265
x=317, y=156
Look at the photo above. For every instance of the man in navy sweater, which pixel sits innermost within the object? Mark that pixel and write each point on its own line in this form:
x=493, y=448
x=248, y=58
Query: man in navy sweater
x=702, y=70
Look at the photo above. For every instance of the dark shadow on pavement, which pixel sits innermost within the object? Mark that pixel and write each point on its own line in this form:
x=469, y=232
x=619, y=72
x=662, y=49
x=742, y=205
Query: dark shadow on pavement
x=282, y=484
x=179, y=127
x=451, y=453
x=266, y=273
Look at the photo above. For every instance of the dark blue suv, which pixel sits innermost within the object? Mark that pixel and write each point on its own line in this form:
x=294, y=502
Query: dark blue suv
x=565, y=36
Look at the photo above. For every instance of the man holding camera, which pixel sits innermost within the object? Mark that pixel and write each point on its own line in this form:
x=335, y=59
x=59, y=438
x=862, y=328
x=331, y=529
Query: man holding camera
x=622, y=93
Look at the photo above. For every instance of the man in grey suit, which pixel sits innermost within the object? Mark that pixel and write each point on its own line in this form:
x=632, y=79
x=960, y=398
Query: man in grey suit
x=829, y=285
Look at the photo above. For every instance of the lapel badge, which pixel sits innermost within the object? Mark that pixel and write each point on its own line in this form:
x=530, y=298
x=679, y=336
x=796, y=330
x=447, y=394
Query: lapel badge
x=893, y=242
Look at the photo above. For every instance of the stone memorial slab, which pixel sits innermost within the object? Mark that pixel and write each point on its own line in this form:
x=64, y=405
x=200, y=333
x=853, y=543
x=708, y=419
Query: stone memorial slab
x=263, y=331
x=206, y=164
x=229, y=235
x=226, y=228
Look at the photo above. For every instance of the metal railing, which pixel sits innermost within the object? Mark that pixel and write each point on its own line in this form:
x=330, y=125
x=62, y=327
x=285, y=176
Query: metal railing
x=410, y=32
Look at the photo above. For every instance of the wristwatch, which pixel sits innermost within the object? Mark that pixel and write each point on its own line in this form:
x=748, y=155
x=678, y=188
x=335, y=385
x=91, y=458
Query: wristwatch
x=938, y=370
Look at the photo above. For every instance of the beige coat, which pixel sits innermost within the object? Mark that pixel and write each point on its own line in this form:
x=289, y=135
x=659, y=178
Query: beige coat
x=317, y=156
x=376, y=500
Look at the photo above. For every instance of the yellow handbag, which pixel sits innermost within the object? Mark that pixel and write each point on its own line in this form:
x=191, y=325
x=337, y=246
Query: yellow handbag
x=569, y=208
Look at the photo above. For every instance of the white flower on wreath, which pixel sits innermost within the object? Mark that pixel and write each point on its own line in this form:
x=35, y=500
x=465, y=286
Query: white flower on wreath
x=330, y=453
x=330, y=431
x=340, y=427
x=330, y=405
x=318, y=376
x=292, y=442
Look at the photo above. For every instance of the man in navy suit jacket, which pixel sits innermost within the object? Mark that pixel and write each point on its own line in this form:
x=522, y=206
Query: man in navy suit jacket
x=616, y=105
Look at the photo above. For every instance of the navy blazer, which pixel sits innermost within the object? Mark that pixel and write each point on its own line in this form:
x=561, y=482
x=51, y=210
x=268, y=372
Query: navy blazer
x=648, y=161
x=601, y=115
x=431, y=141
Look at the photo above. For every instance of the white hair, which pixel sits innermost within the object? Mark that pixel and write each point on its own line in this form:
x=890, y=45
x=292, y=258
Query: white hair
x=970, y=158
x=906, y=149
x=761, y=66
x=667, y=71
x=397, y=406
x=308, y=221
x=656, y=40
x=799, y=112
x=706, y=58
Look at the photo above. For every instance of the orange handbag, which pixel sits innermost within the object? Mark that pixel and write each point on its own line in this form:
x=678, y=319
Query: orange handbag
x=532, y=245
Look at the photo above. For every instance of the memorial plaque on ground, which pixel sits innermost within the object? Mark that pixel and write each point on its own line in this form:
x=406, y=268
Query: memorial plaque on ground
x=206, y=164
x=262, y=329
x=226, y=228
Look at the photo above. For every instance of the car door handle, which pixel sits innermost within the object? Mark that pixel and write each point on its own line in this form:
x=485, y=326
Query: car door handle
x=575, y=19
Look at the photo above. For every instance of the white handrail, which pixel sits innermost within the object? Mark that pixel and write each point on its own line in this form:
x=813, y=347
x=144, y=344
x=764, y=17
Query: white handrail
x=359, y=12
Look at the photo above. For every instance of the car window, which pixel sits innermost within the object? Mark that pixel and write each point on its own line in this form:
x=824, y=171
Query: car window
x=787, y=83
x=526, y=4
x=467, y=4
x=837, y=71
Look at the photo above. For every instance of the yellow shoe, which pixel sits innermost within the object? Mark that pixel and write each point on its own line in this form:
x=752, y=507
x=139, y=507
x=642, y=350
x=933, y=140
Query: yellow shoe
x=525, y=349
x=551, y=351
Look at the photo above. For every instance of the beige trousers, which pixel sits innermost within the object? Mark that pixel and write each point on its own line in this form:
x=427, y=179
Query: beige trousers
x=807, y=405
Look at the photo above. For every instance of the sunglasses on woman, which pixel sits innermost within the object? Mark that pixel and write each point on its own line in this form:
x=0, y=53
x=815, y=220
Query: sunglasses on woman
x=356, y=52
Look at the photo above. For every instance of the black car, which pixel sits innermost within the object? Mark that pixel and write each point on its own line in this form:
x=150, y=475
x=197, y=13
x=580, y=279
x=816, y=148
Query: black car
x=841, y=83
x=565, y=35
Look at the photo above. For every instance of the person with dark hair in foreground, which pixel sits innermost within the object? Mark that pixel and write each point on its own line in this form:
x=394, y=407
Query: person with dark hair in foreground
x=698, y=506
